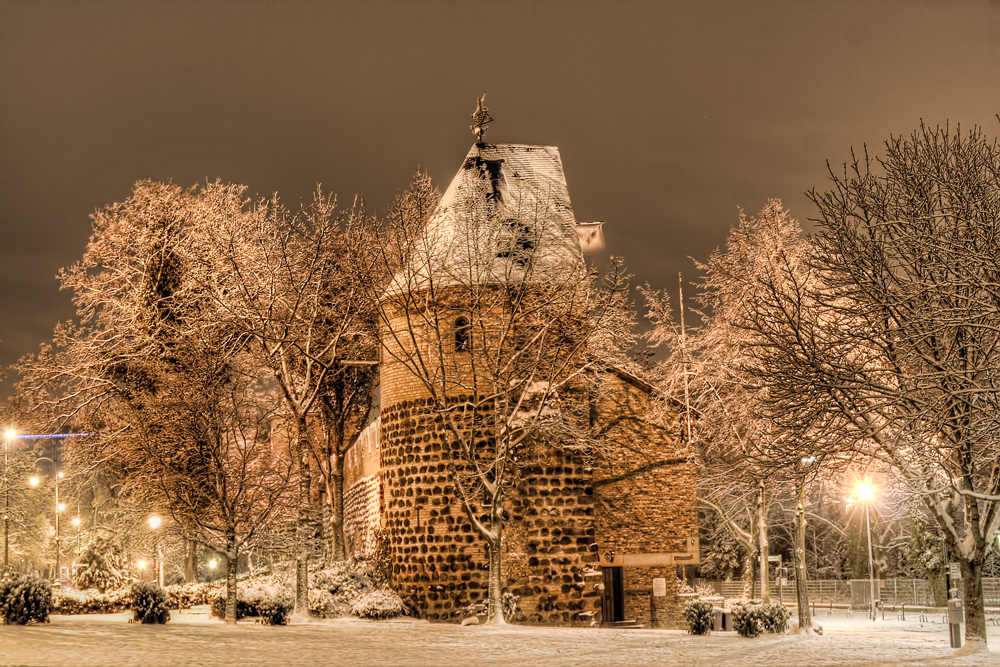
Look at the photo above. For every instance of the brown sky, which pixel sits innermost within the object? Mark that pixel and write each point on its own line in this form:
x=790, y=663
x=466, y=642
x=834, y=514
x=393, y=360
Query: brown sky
x=669, y=116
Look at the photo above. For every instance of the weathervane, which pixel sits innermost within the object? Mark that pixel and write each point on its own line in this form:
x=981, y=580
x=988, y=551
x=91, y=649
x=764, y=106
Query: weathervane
x=480, y=119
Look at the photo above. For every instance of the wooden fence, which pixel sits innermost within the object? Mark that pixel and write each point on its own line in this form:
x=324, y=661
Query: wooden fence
x=916, y=592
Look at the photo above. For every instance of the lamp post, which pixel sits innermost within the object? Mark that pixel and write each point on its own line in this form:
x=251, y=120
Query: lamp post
x=154, y=523
x=77, y=522
x=866, y=493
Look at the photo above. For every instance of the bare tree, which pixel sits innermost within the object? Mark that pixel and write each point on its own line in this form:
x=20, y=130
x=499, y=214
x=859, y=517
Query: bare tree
x=730, y=429
x=290, y=285
x=492, y=312
x=168, y=389
x=895, y=350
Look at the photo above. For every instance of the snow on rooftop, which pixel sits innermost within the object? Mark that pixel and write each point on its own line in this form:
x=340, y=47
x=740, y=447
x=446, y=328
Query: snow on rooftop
x=506, y=216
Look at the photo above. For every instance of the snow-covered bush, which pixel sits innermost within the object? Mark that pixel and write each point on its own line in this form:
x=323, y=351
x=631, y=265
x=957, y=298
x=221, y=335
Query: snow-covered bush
x=70, y=602
x=275, y=608
x=683, y=588
x=334, y=590
x=217, y=603
x=776, y=618
x=322, y=604
x=187, y=595
x=698, y=615
x=378, y=604
x=100, y=566
x=24, y=599
x=268, y=598
x=752, y=618
x=149, y=603
x=705, y=591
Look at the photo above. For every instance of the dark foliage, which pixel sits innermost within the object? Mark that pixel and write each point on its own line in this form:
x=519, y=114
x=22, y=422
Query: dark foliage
x=24, y=599
x=149, y=603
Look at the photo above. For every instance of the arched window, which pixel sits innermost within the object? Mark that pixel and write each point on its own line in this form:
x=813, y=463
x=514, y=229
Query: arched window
x=463, y=340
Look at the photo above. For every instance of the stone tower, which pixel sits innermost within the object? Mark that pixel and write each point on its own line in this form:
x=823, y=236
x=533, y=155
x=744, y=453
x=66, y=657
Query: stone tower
x=506, y=213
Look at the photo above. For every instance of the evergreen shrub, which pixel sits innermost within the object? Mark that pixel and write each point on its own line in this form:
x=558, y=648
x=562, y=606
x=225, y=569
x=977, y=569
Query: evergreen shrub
x=100, y=566
x=267, y=598
x=753, y=618
x=698, y=615
x=70, y=602
x=149, y=603
x=24, y=599
x=378, y=604
x=275, y=609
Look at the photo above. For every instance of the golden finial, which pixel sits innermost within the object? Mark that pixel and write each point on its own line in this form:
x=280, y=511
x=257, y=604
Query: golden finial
x=480, y=119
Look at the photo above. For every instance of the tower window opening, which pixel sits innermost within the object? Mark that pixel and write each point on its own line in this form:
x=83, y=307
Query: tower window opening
x=463, y=339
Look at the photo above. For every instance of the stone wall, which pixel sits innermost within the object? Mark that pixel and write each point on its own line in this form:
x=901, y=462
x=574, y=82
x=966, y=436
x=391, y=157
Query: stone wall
x=363, y=515
x=438, y=561
x=645, y=503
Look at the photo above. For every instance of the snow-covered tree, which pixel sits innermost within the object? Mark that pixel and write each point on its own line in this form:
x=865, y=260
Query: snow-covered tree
x=101, y=565
x=290, y=285
x=895, y=350
x=170, y=392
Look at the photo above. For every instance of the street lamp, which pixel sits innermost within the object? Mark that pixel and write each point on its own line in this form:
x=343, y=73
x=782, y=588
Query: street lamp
x=77, y=522
x=866, y=492
x=154, y=523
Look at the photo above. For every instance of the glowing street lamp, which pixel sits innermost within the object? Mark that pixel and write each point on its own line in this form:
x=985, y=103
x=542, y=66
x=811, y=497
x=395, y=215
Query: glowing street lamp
x=866, y=493
x=154, y=523
x=77, y=522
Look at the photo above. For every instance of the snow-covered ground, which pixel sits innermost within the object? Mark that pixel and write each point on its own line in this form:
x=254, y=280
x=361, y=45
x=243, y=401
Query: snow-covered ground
x=197, y=639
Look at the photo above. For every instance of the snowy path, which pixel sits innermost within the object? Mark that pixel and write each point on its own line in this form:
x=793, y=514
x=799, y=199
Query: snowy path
x=195, y=639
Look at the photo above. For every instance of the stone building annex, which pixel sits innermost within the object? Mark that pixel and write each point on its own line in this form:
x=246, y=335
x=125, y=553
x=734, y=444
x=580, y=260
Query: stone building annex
x=589, y=536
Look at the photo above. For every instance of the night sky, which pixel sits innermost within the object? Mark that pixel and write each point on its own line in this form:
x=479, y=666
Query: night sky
x=670, y=117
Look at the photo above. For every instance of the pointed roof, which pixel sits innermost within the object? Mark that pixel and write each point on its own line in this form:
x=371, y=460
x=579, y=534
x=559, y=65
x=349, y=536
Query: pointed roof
x=507, y=204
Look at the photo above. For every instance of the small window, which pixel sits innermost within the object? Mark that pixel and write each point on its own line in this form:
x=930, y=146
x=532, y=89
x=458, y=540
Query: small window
x=463, y=341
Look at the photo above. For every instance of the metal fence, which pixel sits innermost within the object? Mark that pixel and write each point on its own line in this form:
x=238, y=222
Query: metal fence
x=916, y=592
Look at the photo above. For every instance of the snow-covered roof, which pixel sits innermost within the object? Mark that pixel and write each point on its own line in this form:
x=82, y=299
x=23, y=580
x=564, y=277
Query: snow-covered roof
x=506, y=216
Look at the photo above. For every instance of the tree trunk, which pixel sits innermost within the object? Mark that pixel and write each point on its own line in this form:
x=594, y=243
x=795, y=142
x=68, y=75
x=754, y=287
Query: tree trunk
x=495, y=607
x=749, y=563
x=232, y=560
x=304, y=526
x=337, y=500
x=765, y=580
x=799, y=557
x=189, y=558
x=975, y=613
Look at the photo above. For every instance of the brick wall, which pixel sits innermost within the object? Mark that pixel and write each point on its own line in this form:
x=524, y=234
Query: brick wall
x=567, y=510
x=645, y=504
